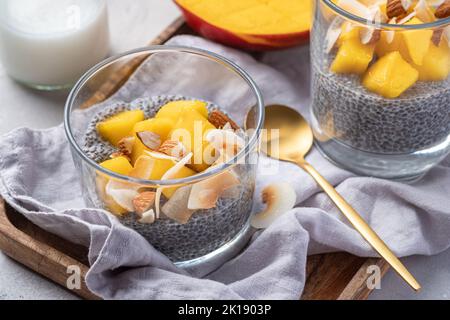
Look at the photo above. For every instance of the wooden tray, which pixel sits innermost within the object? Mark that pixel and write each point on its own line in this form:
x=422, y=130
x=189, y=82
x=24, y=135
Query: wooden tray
x=329, y=276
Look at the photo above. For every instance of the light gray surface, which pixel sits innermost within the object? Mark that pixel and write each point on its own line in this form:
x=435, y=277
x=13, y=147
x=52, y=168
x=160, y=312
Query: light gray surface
x=133, y=23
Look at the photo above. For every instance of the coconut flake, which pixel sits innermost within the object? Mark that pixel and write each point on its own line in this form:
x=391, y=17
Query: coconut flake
x=122, y=193
x=279, y=198
x=204, y=194
x=170, y=174
x=354, y=7
x=149, y=139
x=333, y=34
x=148, y=217
x=423, y=12
x=225, y=141
x=177, y=206
x=407, y=18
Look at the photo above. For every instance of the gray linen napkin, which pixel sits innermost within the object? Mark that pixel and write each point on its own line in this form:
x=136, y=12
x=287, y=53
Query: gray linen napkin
x=37, y=178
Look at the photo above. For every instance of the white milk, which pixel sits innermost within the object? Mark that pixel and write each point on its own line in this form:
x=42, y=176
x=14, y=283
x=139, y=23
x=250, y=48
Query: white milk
x=51, y=43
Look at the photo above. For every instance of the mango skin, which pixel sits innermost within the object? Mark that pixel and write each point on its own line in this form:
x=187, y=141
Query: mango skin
x=119, y=126
x=390, y=76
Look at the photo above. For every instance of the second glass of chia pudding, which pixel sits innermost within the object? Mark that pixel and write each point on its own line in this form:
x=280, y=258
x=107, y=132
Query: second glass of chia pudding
x=381, y=86
x=167, y=155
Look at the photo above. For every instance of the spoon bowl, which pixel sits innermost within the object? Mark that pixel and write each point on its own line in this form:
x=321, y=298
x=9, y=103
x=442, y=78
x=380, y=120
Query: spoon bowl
x=288, y=137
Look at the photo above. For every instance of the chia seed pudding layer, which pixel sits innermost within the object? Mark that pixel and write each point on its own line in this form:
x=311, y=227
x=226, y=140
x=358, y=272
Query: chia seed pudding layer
x=206, y=230
x=347, y=112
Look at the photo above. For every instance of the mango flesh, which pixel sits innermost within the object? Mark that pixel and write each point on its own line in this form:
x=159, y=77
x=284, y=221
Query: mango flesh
x=348, y=31
x=384, y=47
x=436, y=64
x=119, y=165
x=191, y=130
x=119, y=126
x=256, y=17
x=417, y=42
x=160, y=126
x=173, y=110
x=353, y=57
x=390, y=76
x=159, y=167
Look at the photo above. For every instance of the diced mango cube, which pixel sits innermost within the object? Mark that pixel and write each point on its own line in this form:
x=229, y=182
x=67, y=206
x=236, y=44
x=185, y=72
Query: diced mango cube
x=119, y=126
x=161, y=126
x=191, y=130
x=352, y=57
x=119, y=165
x=390, y=76
x=173, y=109
x=436, y=63
x=384, y=46
x=417, y=41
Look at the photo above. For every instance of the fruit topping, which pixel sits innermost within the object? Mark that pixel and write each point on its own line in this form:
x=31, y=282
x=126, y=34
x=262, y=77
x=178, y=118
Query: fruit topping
x=443, y=11
x=396, y=8
x=143, y=202
x=219, y=119
x=279, y=199
x=149, y=139
x=119, y=126
x=390, y=76
x=353, y=57
x=176, y=208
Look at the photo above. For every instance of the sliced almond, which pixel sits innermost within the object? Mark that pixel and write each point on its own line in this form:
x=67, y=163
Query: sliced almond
x=177, y=206
x=160, y=155
x=219, y=119
x=148, y=217
x=149, y=139
x=143, y=202
x=395, y=9
x=443, y=11
x=279, y=198
x=170, y=174
x=204, y=194
x=173, y=148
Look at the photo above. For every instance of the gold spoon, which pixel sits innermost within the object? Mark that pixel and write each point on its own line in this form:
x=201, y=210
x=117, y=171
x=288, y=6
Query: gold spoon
x=295, y=139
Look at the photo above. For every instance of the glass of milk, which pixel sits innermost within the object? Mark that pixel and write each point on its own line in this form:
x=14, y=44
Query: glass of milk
x=49, y=44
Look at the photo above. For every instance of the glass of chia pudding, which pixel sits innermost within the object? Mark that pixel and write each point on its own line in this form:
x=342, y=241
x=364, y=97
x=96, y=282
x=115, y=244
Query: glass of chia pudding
x=381, y=86
x=166, y=154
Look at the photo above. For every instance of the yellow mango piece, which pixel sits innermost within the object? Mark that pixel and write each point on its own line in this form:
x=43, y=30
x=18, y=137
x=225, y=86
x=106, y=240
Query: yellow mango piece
x=384, y=47
x=352, y=57
x=435, y=66
x=108, y=201
x=119, y=165
x=161, y=126
x=417, y=42
x=158, y=168
x=349, y=31
x=390, y=76
x=119, y=126
x=173, y=109
x=191, y=130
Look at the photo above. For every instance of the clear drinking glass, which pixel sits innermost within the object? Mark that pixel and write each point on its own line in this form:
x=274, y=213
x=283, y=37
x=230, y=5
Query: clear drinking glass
x=216, y=233
x=49, y=44
x=367, y=132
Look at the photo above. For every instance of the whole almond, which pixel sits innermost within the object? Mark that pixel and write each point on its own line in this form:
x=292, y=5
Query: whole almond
x=220, y=119
x=395, y=8
x=443, y=11
x=143, y=202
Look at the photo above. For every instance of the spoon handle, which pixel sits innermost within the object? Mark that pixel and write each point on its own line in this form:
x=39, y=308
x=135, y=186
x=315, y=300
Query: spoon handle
x=360, y=225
